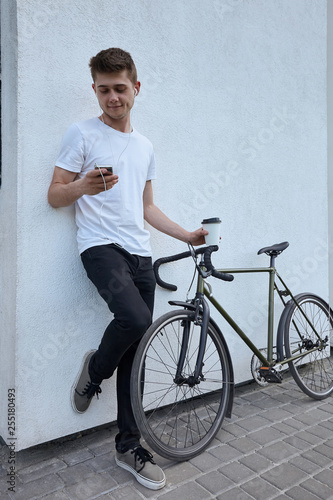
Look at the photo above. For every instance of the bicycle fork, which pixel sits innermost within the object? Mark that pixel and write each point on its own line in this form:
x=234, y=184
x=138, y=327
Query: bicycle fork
x=201, y=318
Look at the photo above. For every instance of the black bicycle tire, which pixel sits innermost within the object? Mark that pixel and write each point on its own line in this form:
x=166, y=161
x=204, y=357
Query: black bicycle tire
x=308, y=383
x=170, y=450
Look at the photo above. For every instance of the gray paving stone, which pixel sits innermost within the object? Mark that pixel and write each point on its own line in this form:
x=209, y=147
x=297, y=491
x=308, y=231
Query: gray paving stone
x=319, y=431
x=225, y=453
x=283, y=475
x=253, y=423
x=77, y=456
x=293, y=423
x=310, y=417
x=253, y=396
x=307, y=436
x=143, y=492
x=214, y=482
x=297, y=442
x=38, y=488
x=245, y=411
x=191, y=490
x=294, y=409
x=101, y=462
x=101, y=448
x=237, y=472
x=260, y=489
x=325, y=477
x=128, y=492
x=266, y=436
x=315, y=457
x=278, y=452
x=31, y=456
x=305, y=465
x=236, y=430
x=40, y=469
x=317, y=488
x=267, y=403
x=58, y=495
x=91, y=487
x=223, y=436
x=328, y=424
x=182, y=471
x=298, y=493
x=75, y=474
x=278, y=415
x=285, y=428
x=256, y=462
x=244, y=445
x=325, y=450
x=205, y=462
x=234, y=494
x=329, y=442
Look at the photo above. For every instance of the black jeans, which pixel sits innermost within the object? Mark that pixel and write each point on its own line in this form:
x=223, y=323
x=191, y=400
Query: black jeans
x=127, y=283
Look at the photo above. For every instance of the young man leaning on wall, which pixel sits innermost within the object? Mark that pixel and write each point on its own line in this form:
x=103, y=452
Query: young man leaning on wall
x=105, y=167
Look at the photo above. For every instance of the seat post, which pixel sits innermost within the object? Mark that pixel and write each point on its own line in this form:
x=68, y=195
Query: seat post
x=272, y=261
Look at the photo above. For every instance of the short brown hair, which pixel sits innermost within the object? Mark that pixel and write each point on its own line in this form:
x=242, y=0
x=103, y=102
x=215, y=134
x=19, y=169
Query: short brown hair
x=113, y=60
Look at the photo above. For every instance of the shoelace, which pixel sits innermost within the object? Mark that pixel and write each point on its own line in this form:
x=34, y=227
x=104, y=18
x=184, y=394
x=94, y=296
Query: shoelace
x=90, y=390
x=143, y=456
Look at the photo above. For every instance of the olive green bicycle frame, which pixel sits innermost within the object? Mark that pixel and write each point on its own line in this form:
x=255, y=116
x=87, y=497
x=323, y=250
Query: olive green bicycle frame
x=203, y=287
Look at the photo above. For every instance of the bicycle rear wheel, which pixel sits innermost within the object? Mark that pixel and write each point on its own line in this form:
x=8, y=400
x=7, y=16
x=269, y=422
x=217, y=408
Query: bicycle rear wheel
x=179, y=421
x=313, y=373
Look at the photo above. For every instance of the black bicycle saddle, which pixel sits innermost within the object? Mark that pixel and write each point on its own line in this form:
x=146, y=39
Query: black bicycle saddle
x=274, y=250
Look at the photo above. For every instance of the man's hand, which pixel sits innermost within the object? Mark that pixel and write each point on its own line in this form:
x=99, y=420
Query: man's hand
x=198, y=237
x=65, y=188
x=93, y=183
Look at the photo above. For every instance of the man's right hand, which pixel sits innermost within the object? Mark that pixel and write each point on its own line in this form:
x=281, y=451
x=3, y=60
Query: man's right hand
x=93, y=183
x=65, y=189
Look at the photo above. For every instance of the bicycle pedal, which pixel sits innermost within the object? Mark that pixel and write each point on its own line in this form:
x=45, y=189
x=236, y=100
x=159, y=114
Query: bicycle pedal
x=270, y=375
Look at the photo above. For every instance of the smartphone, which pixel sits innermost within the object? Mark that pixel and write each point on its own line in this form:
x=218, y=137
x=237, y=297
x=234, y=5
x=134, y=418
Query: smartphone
x=107, y=167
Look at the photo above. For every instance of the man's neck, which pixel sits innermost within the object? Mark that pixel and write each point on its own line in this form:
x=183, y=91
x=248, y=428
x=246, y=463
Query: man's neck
x=119, y=125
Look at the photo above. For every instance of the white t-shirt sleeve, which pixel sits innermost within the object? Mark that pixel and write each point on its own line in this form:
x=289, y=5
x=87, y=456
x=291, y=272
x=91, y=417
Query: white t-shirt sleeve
x=152, y=168
x=71, y=156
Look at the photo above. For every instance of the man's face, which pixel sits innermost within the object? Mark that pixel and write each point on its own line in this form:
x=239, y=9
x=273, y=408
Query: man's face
x=115, y=93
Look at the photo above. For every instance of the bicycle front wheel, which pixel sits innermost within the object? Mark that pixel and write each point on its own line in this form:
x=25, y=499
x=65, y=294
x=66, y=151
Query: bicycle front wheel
x=308, y=331
x=177, y=419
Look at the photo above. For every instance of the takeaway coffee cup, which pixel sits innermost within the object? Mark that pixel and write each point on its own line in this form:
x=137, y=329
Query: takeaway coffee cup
x=213, y=227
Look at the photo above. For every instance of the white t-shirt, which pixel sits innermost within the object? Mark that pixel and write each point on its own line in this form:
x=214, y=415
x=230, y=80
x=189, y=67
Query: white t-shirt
x=116, y=215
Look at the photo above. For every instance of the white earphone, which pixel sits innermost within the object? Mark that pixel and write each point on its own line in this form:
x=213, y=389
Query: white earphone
x=135, y=92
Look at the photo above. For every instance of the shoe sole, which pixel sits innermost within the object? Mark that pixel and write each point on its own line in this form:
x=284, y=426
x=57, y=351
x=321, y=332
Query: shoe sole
x=148, y=483
x=77, y=380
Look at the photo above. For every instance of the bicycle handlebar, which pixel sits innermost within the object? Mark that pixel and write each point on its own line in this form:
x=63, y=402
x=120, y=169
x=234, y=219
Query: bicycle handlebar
x=207, y=251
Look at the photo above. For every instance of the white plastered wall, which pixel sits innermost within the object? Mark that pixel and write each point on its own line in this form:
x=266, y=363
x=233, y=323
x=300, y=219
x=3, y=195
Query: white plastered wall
x=234, y=100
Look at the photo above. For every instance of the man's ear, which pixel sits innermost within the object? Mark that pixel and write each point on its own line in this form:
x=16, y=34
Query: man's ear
x=93, y=86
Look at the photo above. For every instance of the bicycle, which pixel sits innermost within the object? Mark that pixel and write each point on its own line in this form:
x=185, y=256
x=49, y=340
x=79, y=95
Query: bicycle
x=182, y=379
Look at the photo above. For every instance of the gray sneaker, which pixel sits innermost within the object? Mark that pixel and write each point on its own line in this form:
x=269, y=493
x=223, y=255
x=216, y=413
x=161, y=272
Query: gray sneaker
x=83, y=388
x=141, y=464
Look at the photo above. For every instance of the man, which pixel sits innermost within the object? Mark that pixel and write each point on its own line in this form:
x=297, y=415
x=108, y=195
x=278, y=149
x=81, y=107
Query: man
x=113, y=243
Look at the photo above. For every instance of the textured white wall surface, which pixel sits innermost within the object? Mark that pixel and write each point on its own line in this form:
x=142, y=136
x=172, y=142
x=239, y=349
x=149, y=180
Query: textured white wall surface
x=233, y=99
